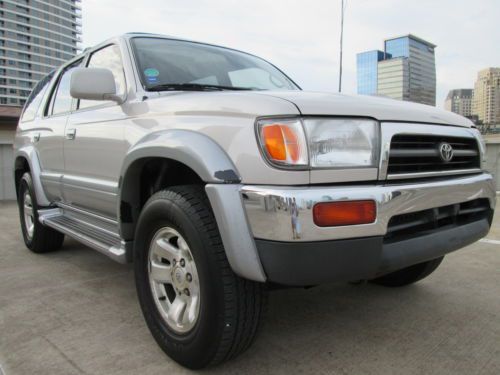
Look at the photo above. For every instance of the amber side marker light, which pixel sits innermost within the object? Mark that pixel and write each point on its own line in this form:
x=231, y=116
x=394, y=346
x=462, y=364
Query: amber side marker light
x=332, y=214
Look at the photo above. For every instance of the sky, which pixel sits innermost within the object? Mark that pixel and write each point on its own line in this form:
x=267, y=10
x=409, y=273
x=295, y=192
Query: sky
x=302, y=36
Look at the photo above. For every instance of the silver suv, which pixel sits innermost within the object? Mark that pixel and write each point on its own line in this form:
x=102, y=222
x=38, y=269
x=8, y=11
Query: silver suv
x=216, y=175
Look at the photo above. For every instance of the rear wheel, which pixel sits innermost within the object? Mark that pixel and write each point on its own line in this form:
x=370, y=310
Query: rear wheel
x=37, y=237
x=197, y=309
x=409, y=275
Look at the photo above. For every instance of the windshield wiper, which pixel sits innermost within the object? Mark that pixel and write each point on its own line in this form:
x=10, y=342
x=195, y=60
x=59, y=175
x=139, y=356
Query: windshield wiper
x=193, y=87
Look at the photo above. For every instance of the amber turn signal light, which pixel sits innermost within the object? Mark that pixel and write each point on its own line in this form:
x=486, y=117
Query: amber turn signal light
x=281, y=142
x=284, y=142
x=332, y=214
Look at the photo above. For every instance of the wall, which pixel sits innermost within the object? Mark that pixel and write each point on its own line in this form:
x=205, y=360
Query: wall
x=493, y=156
x=7, y=190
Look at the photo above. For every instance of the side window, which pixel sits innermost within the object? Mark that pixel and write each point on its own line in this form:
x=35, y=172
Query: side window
x=108, y=57
x=61, y=99
x=35, y=98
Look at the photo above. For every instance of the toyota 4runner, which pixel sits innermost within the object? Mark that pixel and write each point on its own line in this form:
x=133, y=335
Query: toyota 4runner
x=217, y=176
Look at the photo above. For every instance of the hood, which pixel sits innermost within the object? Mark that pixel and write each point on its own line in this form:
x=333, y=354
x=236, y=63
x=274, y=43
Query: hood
x=382, y=109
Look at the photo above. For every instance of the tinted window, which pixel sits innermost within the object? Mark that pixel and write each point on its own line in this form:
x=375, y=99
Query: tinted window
x=35, y=98
x=166, y=61
x=61, y=99
x=109, y=58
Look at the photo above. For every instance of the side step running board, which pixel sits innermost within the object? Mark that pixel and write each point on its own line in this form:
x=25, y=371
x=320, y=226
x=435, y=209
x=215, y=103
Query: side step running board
x=87, y=229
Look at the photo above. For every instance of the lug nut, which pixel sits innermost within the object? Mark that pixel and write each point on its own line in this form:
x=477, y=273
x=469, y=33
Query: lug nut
x=189, y=277
x=186, y=292
x=174, y=262
x=183, y=262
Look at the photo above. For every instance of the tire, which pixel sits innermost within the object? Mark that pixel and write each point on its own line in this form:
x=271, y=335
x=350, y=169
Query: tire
x=229, y=309
x=37, y=237
x=409, y=275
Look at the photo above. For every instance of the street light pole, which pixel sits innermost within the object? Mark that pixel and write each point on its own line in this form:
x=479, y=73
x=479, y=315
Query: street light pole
x=341, y=43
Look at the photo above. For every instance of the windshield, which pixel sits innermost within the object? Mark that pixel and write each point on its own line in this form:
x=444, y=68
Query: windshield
x=163, y=62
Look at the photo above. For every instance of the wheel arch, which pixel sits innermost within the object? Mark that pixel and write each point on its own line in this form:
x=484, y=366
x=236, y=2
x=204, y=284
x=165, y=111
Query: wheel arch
x=26, y=160
x=180, y=157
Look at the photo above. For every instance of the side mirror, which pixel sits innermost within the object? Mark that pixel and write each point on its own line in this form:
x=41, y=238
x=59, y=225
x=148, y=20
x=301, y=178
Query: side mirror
x=94, y=84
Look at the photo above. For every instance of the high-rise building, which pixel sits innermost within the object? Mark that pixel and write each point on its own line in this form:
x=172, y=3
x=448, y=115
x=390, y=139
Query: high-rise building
x=486, y=99
x=459, y=101
x=35, y=37
x=367, y=67
x=405, y=71
x=393, y=78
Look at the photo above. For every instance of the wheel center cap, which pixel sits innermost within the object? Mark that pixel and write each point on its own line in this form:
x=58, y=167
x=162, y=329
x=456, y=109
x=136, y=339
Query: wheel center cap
x=178, y=276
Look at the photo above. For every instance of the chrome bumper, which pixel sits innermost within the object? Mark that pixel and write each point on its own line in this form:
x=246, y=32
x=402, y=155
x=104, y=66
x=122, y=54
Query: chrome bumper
x=245, y=214
x=272, y=215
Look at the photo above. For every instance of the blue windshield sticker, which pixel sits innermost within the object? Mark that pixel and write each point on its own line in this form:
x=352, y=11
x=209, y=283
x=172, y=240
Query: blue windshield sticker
x=151, y=72
x=152, y=79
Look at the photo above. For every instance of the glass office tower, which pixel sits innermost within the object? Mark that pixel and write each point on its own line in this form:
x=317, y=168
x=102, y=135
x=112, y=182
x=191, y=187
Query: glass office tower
x=36, y=36
x=421, y=66
x=405, y=70
x=366, y=64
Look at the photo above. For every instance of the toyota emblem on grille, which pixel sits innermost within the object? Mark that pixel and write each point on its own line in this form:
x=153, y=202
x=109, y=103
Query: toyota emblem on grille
x=445, y=152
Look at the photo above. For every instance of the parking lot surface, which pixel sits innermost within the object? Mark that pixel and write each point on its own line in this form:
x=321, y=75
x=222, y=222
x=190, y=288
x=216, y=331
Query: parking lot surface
x=75, y=311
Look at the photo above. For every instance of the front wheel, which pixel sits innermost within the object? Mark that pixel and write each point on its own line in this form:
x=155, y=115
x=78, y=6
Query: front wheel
x=409, y=275
x=196, y=308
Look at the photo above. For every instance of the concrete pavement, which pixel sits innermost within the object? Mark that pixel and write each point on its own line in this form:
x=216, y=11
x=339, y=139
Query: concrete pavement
x=75, y=311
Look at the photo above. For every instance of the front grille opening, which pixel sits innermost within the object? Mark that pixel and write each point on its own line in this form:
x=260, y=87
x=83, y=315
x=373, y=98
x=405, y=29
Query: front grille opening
x=420, y=153
x=415, y=224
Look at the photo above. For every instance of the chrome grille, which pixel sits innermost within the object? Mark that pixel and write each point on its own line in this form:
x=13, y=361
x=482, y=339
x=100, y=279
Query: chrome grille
x=421, y=154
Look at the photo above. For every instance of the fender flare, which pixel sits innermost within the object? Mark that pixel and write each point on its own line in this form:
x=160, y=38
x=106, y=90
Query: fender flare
x=212, y=164
x=199, y=152
x=30, y=154
x=193, y=149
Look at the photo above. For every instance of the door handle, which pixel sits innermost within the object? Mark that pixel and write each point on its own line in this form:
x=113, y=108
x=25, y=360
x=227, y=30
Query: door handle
x=71, y=134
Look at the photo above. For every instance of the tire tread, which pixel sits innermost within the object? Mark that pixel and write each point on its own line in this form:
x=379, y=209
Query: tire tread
x=245, y=300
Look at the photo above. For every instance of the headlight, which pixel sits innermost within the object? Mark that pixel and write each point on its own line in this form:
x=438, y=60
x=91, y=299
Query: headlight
x=335, y=143
x=320, y=142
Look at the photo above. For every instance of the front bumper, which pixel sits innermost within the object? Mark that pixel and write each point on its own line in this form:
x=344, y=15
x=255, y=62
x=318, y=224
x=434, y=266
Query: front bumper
x=269, y=208
x=287, y=247
x=314, y=263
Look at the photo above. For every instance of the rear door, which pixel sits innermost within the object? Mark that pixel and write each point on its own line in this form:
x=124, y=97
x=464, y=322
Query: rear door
x=50, y=133
x=30, y=128
x=94, y=146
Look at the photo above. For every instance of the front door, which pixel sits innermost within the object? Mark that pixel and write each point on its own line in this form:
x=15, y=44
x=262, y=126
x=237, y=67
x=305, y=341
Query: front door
x=94, y=145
